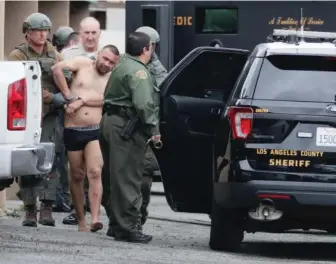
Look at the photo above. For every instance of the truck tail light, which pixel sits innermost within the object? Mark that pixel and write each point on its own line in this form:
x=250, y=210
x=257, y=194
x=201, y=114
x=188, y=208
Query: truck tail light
x=17, y=105
x=42, y=113
x=241, y=119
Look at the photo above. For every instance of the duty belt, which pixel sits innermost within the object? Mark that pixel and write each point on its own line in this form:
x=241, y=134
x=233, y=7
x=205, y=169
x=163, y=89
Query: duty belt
x=122, y=111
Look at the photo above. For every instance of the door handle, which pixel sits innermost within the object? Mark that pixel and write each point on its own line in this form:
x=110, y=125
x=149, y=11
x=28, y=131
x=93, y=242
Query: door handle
x=216, y=111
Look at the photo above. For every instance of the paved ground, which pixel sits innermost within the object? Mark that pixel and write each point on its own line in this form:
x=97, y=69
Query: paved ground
x=172, y=243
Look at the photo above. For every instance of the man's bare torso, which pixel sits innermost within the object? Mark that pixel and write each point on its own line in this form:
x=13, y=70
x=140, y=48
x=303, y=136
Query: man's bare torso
x=85, y=83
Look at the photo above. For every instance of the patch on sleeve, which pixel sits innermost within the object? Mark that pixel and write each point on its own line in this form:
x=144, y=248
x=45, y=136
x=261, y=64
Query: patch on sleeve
x=141, y=74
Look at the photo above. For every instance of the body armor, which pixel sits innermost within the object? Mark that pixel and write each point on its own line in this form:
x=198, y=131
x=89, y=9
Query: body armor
x=46, y=61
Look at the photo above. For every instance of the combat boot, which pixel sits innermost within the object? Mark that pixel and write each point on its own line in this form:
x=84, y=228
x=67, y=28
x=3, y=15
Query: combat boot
x=30, y=217
x=134, y=237
x=110, y=232
x=46, y=214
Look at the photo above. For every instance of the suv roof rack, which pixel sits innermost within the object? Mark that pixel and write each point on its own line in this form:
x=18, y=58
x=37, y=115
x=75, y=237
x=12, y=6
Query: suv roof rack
x=293, y=36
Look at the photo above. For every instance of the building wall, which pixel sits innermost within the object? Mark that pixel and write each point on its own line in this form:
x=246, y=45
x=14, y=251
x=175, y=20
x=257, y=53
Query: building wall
x=78, y=10
x=2, y=30
x=13, y=13
x=52, y=10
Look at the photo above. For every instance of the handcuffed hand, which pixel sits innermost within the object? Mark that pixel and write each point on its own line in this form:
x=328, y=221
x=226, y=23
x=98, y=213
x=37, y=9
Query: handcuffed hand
x=157, y=143
x=156, y=138
x=47, y=96
x=73, y=107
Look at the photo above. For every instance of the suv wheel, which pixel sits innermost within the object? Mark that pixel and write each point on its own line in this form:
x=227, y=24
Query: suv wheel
x=227, y=231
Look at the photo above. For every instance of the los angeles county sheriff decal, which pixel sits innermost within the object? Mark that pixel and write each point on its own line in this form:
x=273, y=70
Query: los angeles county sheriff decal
x=289, y=158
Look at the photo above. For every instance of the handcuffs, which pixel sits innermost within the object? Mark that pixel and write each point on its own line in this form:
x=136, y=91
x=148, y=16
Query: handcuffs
x=157, y=144
x=70, y=99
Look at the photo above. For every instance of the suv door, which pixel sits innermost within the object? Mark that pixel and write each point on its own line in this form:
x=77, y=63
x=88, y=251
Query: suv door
x=193, y=97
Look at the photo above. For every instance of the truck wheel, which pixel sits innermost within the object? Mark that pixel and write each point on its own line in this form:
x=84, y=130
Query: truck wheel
x=227, y=231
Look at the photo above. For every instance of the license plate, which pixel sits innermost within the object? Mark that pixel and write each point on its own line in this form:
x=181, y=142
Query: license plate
x=326, y=137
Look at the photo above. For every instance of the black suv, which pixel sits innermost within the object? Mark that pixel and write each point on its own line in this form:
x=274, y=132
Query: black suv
x=250, y=138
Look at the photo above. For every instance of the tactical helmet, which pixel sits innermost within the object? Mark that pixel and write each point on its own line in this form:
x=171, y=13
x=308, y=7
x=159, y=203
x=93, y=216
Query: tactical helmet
x=61, y=35
x=151, y=32
x=36, y=21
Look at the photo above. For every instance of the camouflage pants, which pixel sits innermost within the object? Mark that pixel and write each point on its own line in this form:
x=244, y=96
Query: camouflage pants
x=63, y=193
x=41, y=186
x=151, y=165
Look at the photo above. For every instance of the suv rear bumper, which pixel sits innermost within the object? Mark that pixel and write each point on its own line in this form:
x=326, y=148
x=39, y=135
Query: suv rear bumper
x=231, y=195
x=32, y=159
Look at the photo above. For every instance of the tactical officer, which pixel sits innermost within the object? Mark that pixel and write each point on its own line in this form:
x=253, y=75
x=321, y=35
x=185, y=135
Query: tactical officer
x=59, y=40
x=130, y=118
x=159, y=72
x=60, y=37
x=36, y=48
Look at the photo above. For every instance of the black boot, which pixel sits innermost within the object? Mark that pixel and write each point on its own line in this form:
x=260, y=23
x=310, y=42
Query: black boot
x=134, y=237
x=110, y=232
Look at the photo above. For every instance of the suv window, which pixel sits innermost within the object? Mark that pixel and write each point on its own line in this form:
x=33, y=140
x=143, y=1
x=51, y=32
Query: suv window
x=208, y=76
x=297, y=78
x=242, y=78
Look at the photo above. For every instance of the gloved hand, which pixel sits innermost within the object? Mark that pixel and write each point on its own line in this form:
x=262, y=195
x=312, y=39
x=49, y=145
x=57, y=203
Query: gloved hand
x=58, y=100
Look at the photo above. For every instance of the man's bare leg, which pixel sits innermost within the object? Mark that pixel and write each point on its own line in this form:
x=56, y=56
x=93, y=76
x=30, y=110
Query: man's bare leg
x=77, y=172
x=94, y=164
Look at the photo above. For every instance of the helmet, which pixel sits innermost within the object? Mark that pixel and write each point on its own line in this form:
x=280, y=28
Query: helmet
x=36, y=21
x=151, y=32
x=61, y=35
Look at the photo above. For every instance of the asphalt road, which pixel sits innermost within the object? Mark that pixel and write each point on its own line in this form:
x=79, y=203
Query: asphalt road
x=173, y=243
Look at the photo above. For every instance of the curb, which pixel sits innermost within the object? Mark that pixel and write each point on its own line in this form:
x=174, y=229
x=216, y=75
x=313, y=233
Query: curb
x=179, y=220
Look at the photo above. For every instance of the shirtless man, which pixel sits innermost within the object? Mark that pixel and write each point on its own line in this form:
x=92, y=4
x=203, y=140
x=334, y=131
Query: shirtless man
x=81, y=126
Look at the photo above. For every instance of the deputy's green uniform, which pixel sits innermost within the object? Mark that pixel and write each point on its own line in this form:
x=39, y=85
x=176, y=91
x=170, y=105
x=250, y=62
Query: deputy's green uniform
x=129, y=92
x=158, y=72
x=40, y=185
x=63, y=198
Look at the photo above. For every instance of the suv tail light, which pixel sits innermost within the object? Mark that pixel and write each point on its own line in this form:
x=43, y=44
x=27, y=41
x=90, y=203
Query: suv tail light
x=241, y=119
x=17, y=105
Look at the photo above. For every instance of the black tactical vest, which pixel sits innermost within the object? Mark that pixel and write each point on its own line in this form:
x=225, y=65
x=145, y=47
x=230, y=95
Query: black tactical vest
x=46, y=60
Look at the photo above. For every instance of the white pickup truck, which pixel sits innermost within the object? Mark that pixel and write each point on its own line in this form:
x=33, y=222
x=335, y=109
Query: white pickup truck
x=21, y=153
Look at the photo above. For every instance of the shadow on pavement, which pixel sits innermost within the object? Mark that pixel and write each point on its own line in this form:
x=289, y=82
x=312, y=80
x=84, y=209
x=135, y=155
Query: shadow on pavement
x=314, y=233
x=316, y=251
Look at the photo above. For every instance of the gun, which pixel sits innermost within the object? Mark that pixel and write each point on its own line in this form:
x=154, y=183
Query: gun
x=129, y=127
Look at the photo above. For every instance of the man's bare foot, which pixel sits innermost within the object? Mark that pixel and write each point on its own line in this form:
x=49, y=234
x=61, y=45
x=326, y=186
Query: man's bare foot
x=83, y=228
x=96, y=227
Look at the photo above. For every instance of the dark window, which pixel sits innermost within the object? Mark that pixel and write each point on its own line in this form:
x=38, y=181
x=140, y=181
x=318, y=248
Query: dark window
x=149, y=18
x=242, y=78
x=101, y=17
x=297, y=78
x=216, y=20
x=210, y=75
